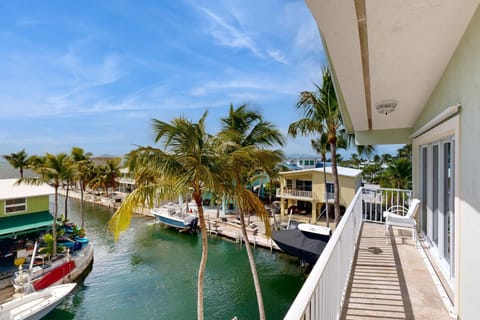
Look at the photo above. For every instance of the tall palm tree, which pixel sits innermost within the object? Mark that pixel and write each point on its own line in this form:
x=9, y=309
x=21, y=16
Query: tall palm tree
x=18, y=160
x=321, y=146
x=68, y=177
x=321, y=115
x=244, y=133
x=81, y=161
x=188, y=160
x=51, y=169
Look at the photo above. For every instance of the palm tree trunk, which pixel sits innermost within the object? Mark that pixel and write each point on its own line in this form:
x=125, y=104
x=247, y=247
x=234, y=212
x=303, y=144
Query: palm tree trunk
x=81, y=205
x=66, y=202
x=253, y=268
x=327, y=213
x=333, y=150
x=203, y=260
x=54, y=226
x=21, y=172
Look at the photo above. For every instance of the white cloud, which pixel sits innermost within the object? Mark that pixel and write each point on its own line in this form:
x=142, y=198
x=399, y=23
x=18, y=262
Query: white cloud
x=227, y=35
x=277, y=56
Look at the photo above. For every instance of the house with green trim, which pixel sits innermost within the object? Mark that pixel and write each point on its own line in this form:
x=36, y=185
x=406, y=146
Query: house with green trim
x=24, y=208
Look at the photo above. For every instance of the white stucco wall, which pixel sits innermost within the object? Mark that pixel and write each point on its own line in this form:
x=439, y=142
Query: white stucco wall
x=460, y=84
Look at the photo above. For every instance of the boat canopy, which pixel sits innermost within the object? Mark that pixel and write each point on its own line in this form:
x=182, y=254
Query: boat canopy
x=25, y=223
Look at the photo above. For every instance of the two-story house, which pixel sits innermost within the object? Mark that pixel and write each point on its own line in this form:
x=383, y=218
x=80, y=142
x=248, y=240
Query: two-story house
x=305, y=189
x=23, y=208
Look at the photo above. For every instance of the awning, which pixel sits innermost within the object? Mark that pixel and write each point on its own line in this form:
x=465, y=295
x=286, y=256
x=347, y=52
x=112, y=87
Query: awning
x=24, y=223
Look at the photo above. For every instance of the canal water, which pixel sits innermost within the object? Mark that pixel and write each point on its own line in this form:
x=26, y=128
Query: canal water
x=151, y=273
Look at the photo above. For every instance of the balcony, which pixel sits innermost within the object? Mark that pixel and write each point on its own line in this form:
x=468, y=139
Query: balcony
x=365, y=274
x=294, y=194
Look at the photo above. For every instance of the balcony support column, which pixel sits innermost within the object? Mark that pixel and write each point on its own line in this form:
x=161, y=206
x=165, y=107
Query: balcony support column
x=314, y=212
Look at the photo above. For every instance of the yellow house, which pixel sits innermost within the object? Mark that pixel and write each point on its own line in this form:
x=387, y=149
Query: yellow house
x=305, y=189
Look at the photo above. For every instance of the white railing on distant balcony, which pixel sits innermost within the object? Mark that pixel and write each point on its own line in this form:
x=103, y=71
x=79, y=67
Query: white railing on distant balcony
x=378, y=200
x=293, y=193
x=322, y=294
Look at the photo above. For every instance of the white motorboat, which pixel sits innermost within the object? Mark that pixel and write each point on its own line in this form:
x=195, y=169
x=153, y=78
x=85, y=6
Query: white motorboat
x=315, y=229
x=35, y=305
x=177, y=216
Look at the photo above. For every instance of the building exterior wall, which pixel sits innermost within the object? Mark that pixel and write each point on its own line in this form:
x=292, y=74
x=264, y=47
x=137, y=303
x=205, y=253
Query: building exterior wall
x=460, y=84
x=34, y=204
x=348, y=186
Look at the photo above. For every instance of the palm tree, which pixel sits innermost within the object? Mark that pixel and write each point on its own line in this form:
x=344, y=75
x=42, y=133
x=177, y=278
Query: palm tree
x=189, y=160
x=321, y=146
x=321, y=115
x=51, y=169
x=99, y=178
x=244, y=133
x=366, y=150
x=399, y=173
x=68, y=176
x=18, y=160
x=81, y=161
x=112, y=172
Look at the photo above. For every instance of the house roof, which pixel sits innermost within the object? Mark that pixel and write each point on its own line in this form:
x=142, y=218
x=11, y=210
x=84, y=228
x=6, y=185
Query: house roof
x=301, y=156
x=342, y=171
x=10, y=190
x=25, y=223
x=388, y=50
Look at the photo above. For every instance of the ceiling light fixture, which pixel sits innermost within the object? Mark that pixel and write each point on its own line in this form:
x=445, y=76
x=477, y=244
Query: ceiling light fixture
x=387, y=106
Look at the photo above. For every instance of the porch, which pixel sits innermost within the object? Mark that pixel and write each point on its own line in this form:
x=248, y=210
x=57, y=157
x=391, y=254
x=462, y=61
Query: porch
x=365, y=274
x=390, y=279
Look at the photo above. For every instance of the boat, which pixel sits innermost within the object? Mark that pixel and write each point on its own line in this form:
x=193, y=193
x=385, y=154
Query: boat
x=177, y=216
x=35, y=305
x=43, y=274
x=305, y=242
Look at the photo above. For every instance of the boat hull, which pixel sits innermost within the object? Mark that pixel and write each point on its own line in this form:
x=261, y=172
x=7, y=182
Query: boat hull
x=179, y=221
x=35, y=305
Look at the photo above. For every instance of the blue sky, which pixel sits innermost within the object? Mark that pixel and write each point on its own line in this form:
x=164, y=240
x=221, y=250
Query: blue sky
x=94, y=73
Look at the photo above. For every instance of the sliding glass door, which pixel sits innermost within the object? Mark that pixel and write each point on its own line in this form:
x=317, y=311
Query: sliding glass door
x=437, y=193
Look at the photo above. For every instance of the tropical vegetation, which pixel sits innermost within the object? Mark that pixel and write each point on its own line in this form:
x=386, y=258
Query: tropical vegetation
x=389, y=171
x=245, y=135
x=321, y=116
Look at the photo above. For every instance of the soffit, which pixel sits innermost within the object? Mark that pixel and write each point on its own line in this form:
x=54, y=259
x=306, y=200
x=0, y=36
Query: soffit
x=408, y=44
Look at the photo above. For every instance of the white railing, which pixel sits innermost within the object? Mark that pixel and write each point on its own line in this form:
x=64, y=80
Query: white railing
x=330, y=196
x=322, y=294
x=293, y=193
x=377, y=200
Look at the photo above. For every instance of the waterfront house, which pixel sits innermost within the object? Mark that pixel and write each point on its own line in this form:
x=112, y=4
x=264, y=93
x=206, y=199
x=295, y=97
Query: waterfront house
x=305, y=190
x=125, y=183
x=409, y=72
x=303, y=161
x=23, y=208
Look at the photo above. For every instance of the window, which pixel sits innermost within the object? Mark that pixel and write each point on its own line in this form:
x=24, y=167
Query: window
x=304, y=185
x=330, y=187
x=300, y=162
x=312, y=162
x=289, y=184
x=15, y=205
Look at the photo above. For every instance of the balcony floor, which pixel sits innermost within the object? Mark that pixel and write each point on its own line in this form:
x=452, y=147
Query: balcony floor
x=390, y=279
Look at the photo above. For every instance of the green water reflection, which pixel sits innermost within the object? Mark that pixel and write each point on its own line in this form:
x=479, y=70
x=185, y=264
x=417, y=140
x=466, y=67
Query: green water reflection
x=151, y=272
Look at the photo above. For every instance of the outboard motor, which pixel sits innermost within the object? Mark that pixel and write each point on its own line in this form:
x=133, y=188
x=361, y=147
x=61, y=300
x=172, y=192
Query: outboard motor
x=194, y=225
x=293, y=225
